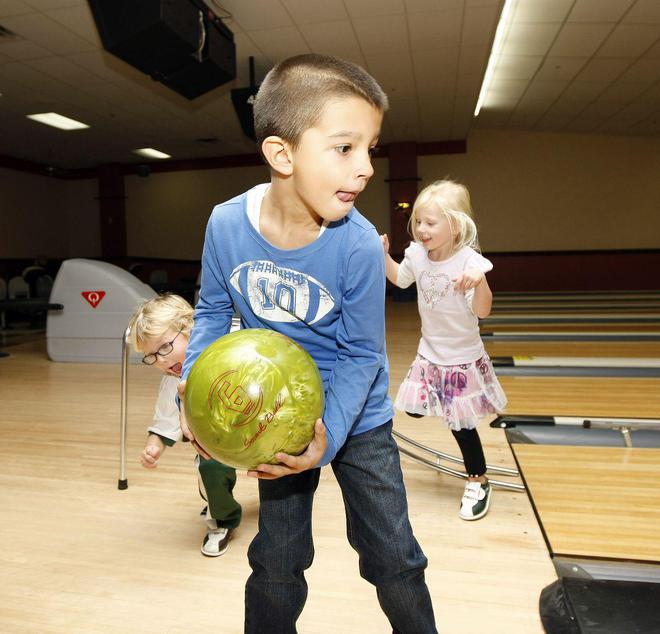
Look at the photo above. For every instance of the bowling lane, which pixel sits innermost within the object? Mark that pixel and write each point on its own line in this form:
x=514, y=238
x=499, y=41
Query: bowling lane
x=641, y=349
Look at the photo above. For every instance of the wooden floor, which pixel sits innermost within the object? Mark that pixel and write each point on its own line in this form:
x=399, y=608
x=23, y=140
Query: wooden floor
x=79, y=556
x=596, y=502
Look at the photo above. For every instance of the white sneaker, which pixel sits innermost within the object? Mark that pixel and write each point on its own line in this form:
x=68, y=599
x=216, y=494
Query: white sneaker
x=216, y=542
x=475, y=501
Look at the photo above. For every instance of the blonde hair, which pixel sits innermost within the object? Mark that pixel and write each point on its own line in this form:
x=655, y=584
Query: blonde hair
x=453, y=201
x=292, y=95
x=154, y=317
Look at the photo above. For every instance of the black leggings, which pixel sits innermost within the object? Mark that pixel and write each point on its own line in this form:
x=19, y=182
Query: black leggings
x=470, y=445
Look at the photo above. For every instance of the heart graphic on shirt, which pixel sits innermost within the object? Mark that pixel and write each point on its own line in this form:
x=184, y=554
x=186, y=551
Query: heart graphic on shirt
x=434, y=286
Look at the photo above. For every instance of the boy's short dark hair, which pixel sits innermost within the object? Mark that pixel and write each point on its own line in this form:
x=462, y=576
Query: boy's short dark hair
x=292, y=95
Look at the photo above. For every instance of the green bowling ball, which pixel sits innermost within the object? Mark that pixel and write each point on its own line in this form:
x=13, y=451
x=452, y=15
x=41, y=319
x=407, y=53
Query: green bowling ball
x=251, y=394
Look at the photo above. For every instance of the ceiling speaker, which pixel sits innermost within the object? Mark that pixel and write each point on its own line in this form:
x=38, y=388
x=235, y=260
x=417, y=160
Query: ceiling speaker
x=179, y=43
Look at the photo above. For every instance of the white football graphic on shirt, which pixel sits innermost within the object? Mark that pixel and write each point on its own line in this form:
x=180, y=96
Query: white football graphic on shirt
x=280, y=294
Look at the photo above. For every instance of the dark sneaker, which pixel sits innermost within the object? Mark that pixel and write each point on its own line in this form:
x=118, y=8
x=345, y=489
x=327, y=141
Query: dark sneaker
x=475, y=501
x=216, y=542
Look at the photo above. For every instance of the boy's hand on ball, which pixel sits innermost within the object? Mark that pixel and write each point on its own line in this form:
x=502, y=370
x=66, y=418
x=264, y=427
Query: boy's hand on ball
x=289, y=465
x=185, y=429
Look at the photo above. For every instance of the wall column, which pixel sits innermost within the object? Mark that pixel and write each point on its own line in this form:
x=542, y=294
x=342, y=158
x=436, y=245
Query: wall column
x=112, y=211
x=403, y=182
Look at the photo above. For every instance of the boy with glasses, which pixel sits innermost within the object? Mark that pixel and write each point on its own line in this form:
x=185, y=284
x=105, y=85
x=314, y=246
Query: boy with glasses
x=160, y=329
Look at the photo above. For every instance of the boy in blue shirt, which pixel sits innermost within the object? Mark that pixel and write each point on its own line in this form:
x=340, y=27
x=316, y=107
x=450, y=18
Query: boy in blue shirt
x=296, y=256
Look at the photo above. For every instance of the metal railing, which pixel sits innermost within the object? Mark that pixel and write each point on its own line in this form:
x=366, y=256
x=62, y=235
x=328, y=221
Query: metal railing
x=439, y=455
x=123, y=412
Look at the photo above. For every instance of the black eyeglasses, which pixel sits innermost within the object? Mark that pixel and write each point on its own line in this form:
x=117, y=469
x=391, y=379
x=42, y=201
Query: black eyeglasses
x=163, y=351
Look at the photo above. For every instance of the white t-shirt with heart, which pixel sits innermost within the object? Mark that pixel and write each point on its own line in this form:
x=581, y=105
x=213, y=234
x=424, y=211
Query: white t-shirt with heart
x=450, y=330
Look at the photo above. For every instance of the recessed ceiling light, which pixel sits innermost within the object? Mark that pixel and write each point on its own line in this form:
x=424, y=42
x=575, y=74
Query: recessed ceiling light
x=149, y=152
x=57, y=121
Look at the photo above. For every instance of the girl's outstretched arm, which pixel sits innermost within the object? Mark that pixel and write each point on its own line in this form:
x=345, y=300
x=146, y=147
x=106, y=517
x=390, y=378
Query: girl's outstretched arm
x=391, y=267
x=482, y=300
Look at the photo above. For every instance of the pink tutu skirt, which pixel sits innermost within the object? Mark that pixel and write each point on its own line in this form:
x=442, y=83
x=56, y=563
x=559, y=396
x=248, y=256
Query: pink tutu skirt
x=460, y=394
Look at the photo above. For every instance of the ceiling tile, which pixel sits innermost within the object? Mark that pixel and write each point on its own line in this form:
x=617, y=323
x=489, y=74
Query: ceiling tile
x=561, y=67
x=63, y=70
x=542, y=10
x=522, y=121
x=599, y=10
x=367, y=8
x=330, y=38
x=437, y=29
x=14, y=7
x=630, y=40
x=603, y=69
x=393, y=71
x=585, y=123
x=517, y=66
x=440, y=62
x=552, y=123
x=255, y=15
x=644, y=12
x=469, y=86
x=78, y=19
x=624, y=91
x=305, y=12
x=654, y=51
x=45, y=5
x=508, y=86
x=580, y=40
x=548, y=90
x=492, y=119
x=479, y=25
x=473, y=60
x=278, y=44
x=403, y=108
x=381, y=34
x=47, y=33
x=529, y=39
x=501, y=101
x=420, y=6
x=21, y=49
x=584, y=90
x=643, y=70
x=600, y=108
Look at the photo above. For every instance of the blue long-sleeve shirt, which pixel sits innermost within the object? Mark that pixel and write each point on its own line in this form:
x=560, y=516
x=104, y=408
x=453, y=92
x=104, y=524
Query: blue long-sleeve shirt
x=328, y=296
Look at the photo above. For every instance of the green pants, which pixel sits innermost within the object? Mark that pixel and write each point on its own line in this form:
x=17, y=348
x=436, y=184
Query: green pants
x=216, y=483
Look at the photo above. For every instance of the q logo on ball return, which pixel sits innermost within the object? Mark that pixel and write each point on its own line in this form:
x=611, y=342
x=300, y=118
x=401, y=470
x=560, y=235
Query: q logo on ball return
x=93, y=297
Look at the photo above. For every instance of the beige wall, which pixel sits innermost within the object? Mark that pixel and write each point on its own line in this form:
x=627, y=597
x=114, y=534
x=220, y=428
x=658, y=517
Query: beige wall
x=531, y=191
x=32, y=218
x=47, y=216
x=166, y=213
x=541, y=191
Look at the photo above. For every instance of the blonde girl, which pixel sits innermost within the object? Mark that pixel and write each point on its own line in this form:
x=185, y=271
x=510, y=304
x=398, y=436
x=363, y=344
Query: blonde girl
x=452, y=376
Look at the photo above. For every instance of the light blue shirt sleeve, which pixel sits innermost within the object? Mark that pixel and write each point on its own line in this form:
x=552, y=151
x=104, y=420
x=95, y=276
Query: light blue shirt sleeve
x=360, y=339
x=214, y=309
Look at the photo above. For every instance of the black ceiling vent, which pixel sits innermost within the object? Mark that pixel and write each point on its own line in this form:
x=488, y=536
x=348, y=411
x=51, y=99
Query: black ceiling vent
x=180, y=43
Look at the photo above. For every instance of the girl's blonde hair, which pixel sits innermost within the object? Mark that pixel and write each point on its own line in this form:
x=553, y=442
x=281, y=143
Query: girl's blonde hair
x=154, y=317
x=453, y=201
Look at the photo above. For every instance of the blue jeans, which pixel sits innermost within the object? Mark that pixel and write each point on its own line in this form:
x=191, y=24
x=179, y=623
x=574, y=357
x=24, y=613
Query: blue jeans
x=369, y=473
